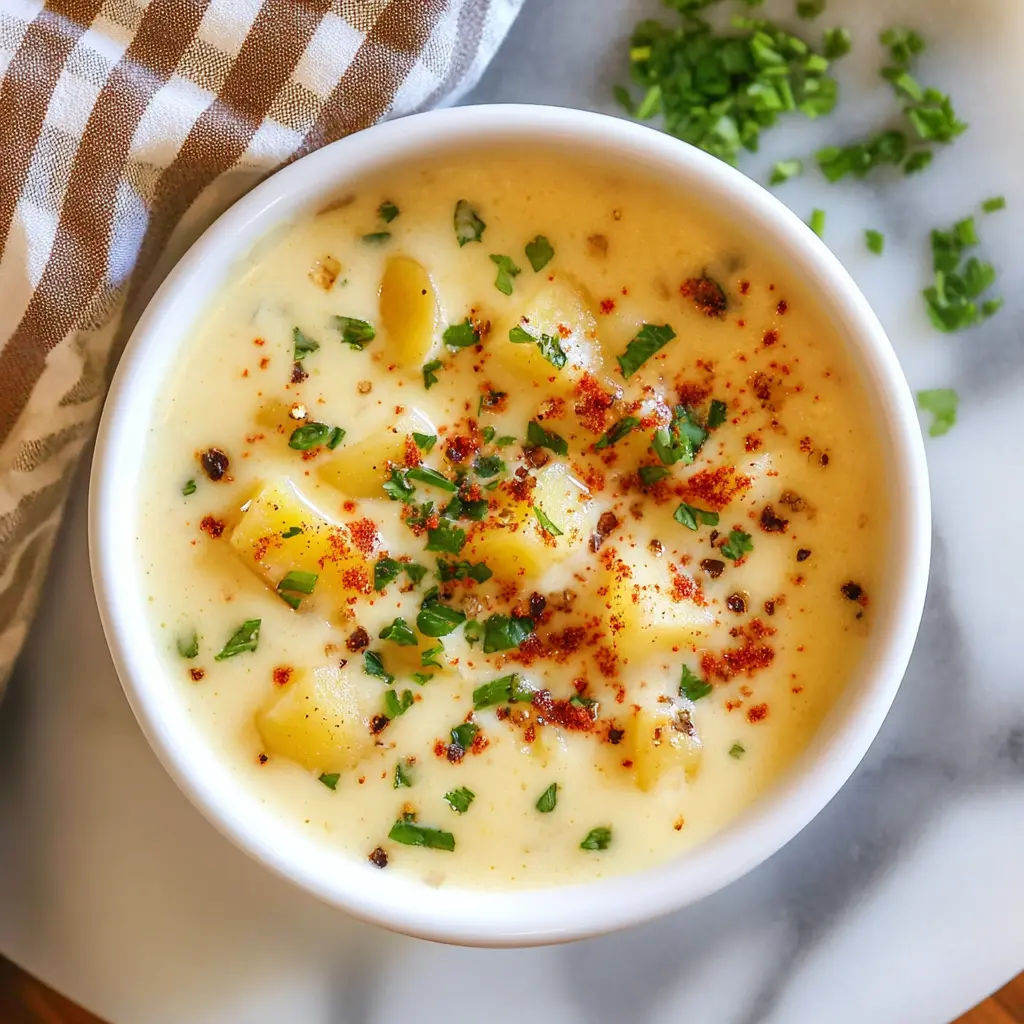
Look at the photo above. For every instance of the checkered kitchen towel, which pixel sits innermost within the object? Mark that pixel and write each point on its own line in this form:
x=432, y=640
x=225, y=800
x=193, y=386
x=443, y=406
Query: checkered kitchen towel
x=126, y=126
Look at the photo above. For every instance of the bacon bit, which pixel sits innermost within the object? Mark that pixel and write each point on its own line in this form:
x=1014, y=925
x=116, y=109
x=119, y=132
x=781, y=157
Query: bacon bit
x=324, y=272
x=536, y=457
x=379, y=723
x=196, y=674
x=769, y=338
x=493, y=399
x=214, y=527
x=298, y=373
x=772, y=523
x=713, y=567
x=803, y=554
x=769, y=606
x=855, y=592
x=607, y=306
x=379, y=858
x=215, y=463
x=608, y=522
x=757, y=713
x=259, y=341
x=707, y=295
x=752, y=442
x=459, y=449
x=692, y=393
x=412, y=453
x=736, y=603
x=564, y=713
x=592, y=404
x=364, y=535
x=521, y=484
x=264, y=362
x=782, y=307
x=627, y=763
x=792, y=500
x=263, y=759
x=537, y=605
x=714, y=488
x=615, y=735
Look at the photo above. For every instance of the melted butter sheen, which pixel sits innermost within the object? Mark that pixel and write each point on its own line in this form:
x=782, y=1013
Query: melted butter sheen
x=616, y=625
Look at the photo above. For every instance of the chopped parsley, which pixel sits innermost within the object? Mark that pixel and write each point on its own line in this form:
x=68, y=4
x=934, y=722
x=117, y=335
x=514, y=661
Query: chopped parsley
x=425, y=475
x=397, y=486
x=490, y=400
x=245, y=638
x=737, y=750
x=464, y=734
x=377, y=237
x=473, y=632
x=809, y=8
x=650, y=475
x=373, y=665
x=355, y=333
x=335, y=438
x=385, y=571
x=400, y=633
x=411, y=834
x=188, y=488
x=942, y=403
x=836, y=43
x=468, y=225
x=425, y=442
x=188, y=645
x=904, y=44
x=649, y=339
x=395, y=706
x=507, y=270
x=302, y=345
x=504, y=441
x=692, y=687
x=429, y=373
x=548, y=799
x=599, y=838
x=463, y=570
x=414, y=571
x=539, y=252
x=422, y=678
x=786, y=169
x=953, y=300
x=428, y=658
x=330, y=779
x=446, y=537
x=459, y=799
x=387, y=211
x=502, y=632
x=681, y=440
x=437, y=620
x=545, y=523
x=718, y=411
x=403, y=775
x=538, y=437
x=548, y=346
x=296, y=582
x=313, y=435
x=461, y=335
x=994, y=204
x=817, y=222
x=292, y=531
x=617, y=432
x=505, y=690
x=737, y=545
x=690, y=516
x=875, y=241
x=487, y=466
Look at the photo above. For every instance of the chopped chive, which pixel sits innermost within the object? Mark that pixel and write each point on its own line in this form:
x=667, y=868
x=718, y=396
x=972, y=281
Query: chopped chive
x=943, y=404
x=377, y=237
x=786, y=169
x=188, y=645
x=545, y=523
x=817, y=223
x=411, y=834
x=737, y=750
x=188, y=488
x=459, y=799
x=993, y=204
x=245, y=638
x=398, y=632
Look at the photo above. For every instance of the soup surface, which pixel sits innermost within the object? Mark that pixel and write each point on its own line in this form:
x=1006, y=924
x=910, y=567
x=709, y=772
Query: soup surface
x=511, y=522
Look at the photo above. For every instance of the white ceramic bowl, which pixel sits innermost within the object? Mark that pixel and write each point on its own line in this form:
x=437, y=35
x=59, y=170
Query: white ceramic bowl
x=388, y=897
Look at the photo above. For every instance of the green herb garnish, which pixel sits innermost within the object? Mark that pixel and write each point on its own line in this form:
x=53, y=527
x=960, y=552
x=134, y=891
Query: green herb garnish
x=539, y=252
x=310, y=435
x=817, y=222
x=953, y=299
x=508, y=689
x=507, y=270
x=411, y=834
x=425, y=442
x=692, y=687
x=245, y=638
x=387, y=211
x=355, y=333
x=385, y=571
x=942, y=403
x=875, y=241
x=461, y=335
x=717, y=414
x=690, y=516
x=403, y=775
x=188, y=645
x=737, y=750
x=296, y=582
x=414, y=571
x=292, y=531
x=649, y=339
x=436, y=620
x=597, y=838
x=837, y=43
x=330, y=779
x=487, y=466
x=538, y=437
x=373, y=665
x=397, y=486
x=425, y=475
x=468, y=225
x=809, y=8
x=502, y=632
x=786, y=169
x=459, y=799
x=446, y=537
x=463, y=570
x=548, y=346
x=429, y=373
x=737, y=545
x=399, y=633
x=548, y=799
x=428, y=658
x=463, y=735
x=302, y=345
x=994, y=204
x=617, y=432
x=188, y=488
x=650, y=475
x=681, y=440
x=545, y=523
x=395, y=706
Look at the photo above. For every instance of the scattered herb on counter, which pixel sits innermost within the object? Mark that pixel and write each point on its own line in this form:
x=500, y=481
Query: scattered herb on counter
x=430, y=369
x=786, y=169
x=817, y=223
x=942, y=403
x=690, y=516
x=431, y=477
x=373, y=665
x=436, y=620
x=737, y=750
x=875, y=241
x=302, y=345
x=597, y=838
x=649, y=339
x=468, y=225
x=507, y=271
x=397, y=486
x=395, y=706
x=403, y=775
x=400, y=633
x=994, y=204
x=539, y=252
x=330, y=779
x=538, y=437
x=502, y=632
x=737, y=545
x=545, y=523
x=355, y=333
x=377, y=237
x=837, y=43
x=904, y=44
x=952, y=299
x=411, y=834
x=692, y=687
x=548, y=799
x=459, y=799
x=425, y=442
x=461, y=335
x=617, y=432
x=385, y=571
x=188, y=645
x=245, y=638
x=808, y=9
x=188, y=488
x=387, y=211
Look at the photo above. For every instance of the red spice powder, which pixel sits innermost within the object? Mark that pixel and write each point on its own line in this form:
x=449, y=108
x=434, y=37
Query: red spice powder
x=214, y=527
x=758, y=713
x=264, y=362
x=592, y=404
x=412, y=453
x=459, y=449
x=713, y=488
x=769, y=338
x=563, y=713
x=196, y=674
x=692, y=393
x=364, y=535
x=607, y=306
x=744, y=287
x=282, y=675
x=707, y=296
x=356, y=579
x=752, y=442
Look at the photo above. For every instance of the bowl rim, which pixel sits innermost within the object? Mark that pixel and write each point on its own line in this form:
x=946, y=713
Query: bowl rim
x=527, y=917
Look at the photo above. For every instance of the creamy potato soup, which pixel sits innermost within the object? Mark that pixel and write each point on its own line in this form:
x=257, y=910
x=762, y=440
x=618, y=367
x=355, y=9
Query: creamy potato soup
x=511, y=522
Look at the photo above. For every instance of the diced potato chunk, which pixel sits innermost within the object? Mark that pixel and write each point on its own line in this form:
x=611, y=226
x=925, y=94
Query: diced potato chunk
x=319, y=546
x=660, y=742
x=645, y=615
x=359, y=470
x=320, y=719
x=408, y=311
x=514, y=544
x=563, y=310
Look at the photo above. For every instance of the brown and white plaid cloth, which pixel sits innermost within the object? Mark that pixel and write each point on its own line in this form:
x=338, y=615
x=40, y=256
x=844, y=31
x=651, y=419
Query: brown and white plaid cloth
x=126, y=126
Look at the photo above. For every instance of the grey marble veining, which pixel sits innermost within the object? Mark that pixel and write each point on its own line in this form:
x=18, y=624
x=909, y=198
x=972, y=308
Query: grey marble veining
x=902, y=902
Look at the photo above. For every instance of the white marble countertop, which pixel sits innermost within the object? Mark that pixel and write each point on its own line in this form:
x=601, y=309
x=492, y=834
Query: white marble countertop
x=904, y=900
